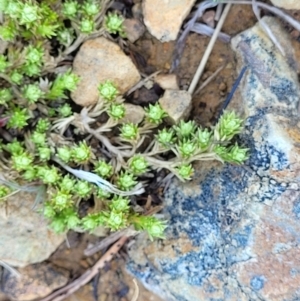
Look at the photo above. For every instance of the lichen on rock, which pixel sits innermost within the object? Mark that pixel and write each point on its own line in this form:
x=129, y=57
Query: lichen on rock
x=234, y=230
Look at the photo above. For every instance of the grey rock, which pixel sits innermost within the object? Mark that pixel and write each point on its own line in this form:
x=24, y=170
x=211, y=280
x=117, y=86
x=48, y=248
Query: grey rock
x=25, y=237
x=234, y=231
x=99, y=60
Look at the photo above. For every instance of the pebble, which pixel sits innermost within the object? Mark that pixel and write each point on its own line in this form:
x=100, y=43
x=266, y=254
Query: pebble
x=99, y=60
x=167, y=81
x=164, y=18
x=209, y=18
x=222, y=86
x=134, y=29
x=133, y=113
x=177, y=104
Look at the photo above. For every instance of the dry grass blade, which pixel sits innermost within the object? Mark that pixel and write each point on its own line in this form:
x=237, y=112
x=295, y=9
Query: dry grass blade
x=219, y=11
x=136, y=291
x=208, y=50
x=181, y=41
x=13, y=271
x=266, y=28
x=142, y=82
x=208, y=31
x=209, y=79
x=109, y=240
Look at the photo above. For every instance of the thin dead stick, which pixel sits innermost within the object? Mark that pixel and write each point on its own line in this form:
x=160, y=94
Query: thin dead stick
x=142, y=82
x=209, y=79
x=219, y=11
x=107, y=241
x=136, y=291
x=208, y=50
x=266, y=28
x=115, y=236
x=71, y=288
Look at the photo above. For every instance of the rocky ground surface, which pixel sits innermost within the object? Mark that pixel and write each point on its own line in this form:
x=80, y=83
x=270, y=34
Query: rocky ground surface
x=218, y=216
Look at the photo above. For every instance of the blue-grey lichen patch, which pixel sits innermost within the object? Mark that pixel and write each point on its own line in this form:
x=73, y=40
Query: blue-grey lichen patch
x=242, y=238
x=233, y=231
x=296, y=209
x=283, y=88
x=257, y=282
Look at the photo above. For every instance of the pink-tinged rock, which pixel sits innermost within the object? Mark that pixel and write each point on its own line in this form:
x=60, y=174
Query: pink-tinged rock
x=134, y=29
x=164, y=18
x=287, y=4
x=234, y=231
x=167, y=81
x=99, y=60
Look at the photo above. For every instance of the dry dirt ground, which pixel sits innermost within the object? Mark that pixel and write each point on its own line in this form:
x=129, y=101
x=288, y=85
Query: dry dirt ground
x=113, y=283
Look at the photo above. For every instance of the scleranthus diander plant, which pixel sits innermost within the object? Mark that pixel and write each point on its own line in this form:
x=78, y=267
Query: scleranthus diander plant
x=36, y=108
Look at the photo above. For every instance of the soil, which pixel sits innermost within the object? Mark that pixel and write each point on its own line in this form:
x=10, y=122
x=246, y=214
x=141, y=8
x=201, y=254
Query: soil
x=113, y=283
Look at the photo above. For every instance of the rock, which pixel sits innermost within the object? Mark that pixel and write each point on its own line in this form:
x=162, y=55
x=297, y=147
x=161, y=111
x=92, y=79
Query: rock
x=233, y=232
x=99, y=60
x=287, y=4
x=133, y=113
x=25, y=237
x=177, y=104
x=134, y=29
x=209, y=18
x=137, y=11
x=36, y=281
x=164, y=18
x=167, y=81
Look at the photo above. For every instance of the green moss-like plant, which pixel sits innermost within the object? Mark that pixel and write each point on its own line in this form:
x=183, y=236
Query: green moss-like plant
x=36, y=106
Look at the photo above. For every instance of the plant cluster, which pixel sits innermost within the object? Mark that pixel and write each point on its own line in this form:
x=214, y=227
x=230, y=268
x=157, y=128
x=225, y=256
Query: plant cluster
x=36, y=113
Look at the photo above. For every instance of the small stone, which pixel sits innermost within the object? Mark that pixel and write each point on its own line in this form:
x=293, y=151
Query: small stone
x=36, y=281
x=164, y=18
x=25, y=237
x=177, y=104
x=134, y=29
x=287, y=4
x=137, y=11
x=167, y=81
x=222, y=86
x=209, y=18
x=295, y=34
x=99, y=60
x=133, y=113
